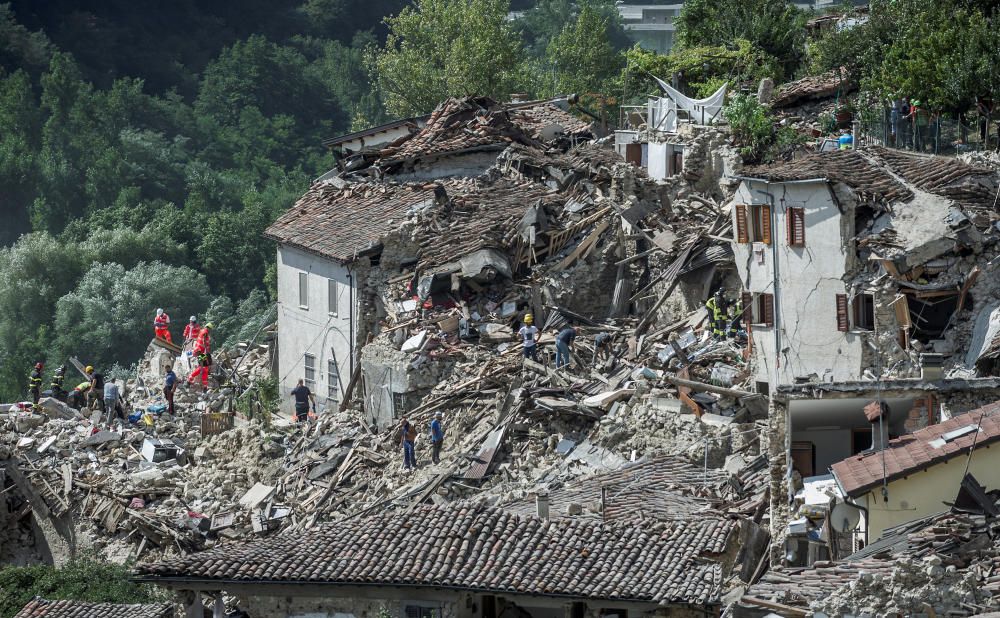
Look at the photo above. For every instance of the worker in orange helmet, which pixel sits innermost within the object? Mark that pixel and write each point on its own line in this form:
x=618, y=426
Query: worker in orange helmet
x=161, y=324
x=203, y=352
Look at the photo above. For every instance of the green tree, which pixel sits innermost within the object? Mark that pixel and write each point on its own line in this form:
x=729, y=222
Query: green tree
x=582, y=55
x=775, y=26
x=441, y=48
x=106, y=318
x=80, y=580
x=19, y=143
x=232, y=252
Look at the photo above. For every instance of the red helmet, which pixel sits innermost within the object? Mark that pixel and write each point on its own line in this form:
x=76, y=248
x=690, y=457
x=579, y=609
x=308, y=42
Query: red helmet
x=39, y=365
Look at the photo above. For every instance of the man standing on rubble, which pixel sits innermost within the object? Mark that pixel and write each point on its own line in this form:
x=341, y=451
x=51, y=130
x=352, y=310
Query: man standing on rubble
x=111, y=397
x=169, y=387
x=303, y=396
x=529, y=335
x=161, y=326
x=192, y=330
x=203, y=353
x=717, y=314
x=437, y=437
x=35, y=383
x=409, y=435
x=96, y=392
x=564, y=341
x=57, y=383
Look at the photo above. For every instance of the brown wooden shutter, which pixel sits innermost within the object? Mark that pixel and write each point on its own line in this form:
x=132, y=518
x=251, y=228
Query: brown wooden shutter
x=765, y=224
x=741, y=224
x=796, y=220
x=767, y=305
x=747, y=301
x=843, y=324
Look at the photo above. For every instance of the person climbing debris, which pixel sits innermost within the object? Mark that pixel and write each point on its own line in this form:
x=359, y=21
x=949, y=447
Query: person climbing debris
x=735, y=318
x=77, y=398
x=409, y=436
x=564, y=341
x=56, y=386
x=191, y=330
x=437, y=437
x=169, y=387
x=529, y=335
x=717, y=314
x=602, y=348
x=161, y=326
x=303, y=396
x=96, y=392
x=35, y=383
x=203, y=353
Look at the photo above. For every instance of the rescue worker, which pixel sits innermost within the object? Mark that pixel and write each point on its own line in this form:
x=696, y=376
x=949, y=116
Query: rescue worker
x=169, y=387
x=57, y=383
x=78, y=397
x=303, y=396
x=717, y=314
x=35, y=383
x=437, y=437
x=161, y=326
x=203, y=352
x=602, y=348
x=409, y=436
x=95, y=396
x=529, y=335
x=192, y=330
x=564, y=341
x=735, y=318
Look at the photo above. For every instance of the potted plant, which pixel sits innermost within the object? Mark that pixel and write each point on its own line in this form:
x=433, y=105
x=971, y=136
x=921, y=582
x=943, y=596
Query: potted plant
x=844, y=115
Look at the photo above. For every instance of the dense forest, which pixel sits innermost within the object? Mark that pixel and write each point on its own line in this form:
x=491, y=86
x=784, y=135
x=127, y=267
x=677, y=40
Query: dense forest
x=144, y=146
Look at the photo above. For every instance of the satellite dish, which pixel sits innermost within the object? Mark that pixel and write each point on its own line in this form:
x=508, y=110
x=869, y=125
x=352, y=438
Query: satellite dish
x=844, y=517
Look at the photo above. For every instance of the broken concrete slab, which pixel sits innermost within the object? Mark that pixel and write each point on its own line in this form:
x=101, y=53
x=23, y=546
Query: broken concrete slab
x=256, y=494
x=102, y=437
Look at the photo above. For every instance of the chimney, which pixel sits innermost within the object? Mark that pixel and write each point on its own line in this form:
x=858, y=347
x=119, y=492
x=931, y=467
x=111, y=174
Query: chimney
x=542, y=504
x=880, y=435
x=931, y=366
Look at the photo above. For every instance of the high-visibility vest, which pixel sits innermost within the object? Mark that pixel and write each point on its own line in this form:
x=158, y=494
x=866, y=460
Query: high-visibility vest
x=161, y=321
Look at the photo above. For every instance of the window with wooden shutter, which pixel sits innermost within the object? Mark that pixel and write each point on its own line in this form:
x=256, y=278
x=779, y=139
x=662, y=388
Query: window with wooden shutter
x=864, y=312
x=741, y=224
x=796, y=220
x=765, y=224
x=746, y=298
x=843, y=324
x=767, y=309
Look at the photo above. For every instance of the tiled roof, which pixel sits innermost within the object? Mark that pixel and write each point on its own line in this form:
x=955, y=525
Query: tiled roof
x=477, y=547
x=458, y=125
x=910, y=453
x=39, y=608
x=341, y=223
x=535, y=118
x=944, y=176
x=869, y=181
x=664, y=488
x=812, y=87
x=480, y=215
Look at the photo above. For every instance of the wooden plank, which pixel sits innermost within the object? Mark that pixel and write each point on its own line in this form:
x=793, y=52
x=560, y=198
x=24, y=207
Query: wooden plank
x=583, y=246
x=67, y=474
x=787, y=610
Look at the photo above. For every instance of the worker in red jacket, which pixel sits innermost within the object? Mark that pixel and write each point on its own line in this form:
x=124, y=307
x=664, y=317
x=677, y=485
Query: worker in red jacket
x=203, y=352
x=192, y=330
x=161, y=324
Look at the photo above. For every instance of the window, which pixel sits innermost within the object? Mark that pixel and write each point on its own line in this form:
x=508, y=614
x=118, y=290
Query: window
x=753, y=223
x=309, y=368
x=796, y=220
x=332, y=381
x=421, y=611
x=331, y=296
x=859, y=313
x=304, y=290
x=758, y=308
x=398, y=405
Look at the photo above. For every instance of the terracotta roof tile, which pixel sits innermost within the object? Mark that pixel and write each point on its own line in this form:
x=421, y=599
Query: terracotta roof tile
x=869, y=181
x=476, y=547
x=948, y=177
x=340, y=223
x=913, y=452
x=535, y=118
x=40, y=608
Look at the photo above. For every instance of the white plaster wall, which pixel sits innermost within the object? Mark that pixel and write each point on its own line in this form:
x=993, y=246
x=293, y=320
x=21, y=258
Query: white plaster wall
x=809, y=278
x=658, y=153
x=312, y=330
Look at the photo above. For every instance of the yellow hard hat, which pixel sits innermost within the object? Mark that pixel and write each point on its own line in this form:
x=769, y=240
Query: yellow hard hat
x=528, y=318
x=89, y=369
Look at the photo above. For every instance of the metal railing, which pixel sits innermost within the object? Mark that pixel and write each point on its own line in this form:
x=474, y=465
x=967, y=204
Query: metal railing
x=937, y=134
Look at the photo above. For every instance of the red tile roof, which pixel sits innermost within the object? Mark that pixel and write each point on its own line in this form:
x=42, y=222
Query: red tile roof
x=342, y=223
x=827, y=85
x=476, y=547
x=911, y=453
x=40, y=608
x=535, y=118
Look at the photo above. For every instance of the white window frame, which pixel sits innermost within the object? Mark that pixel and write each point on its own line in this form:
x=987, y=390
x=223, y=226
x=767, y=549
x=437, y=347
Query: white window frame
x=303, y=290
x=309, y=371
x=332, y=297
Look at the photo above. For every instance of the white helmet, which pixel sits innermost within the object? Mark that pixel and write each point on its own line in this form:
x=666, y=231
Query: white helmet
x=193, y=319
x=159, y=312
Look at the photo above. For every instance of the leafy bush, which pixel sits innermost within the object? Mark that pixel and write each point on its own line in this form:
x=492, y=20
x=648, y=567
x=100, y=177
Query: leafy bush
x=80, y=580
x=751, y=125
